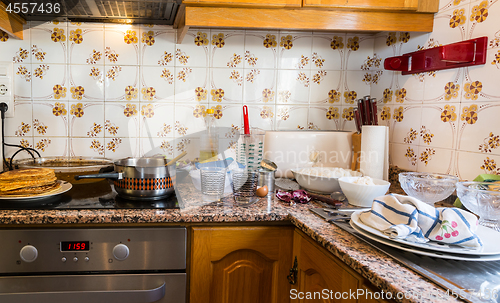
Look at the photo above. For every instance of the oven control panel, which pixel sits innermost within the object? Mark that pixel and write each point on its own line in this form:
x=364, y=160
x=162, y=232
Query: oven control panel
x=90, y=250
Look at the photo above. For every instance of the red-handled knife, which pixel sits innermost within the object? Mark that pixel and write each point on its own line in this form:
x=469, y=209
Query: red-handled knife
x=357, y=120
x=367, y=108
x=374, y=111
x=246, y=126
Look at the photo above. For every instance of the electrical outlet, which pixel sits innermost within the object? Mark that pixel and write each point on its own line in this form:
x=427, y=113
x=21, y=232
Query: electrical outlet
x=7, y=87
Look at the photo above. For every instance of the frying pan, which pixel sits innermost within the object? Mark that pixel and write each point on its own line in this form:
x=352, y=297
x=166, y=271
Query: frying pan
x=140, y=178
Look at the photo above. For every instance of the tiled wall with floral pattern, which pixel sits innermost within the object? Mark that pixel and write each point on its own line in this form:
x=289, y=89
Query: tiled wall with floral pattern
x=113, y=91
x=444, y=121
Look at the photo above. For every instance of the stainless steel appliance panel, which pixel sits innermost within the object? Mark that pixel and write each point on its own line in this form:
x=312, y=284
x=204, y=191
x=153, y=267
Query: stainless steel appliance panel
x=123, y=249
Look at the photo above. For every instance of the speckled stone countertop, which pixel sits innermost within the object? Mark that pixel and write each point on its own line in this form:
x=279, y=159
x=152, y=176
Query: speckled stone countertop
x=381, y=270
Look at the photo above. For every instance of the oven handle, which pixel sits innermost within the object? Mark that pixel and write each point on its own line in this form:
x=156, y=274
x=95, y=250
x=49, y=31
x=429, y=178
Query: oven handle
x=122, y=296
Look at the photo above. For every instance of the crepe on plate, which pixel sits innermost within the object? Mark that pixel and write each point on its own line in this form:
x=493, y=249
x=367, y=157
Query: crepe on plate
x=28, y=182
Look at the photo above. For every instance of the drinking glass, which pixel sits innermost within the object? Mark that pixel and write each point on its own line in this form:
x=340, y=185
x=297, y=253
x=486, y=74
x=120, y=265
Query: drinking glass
x=245, y=186
x=212, y=183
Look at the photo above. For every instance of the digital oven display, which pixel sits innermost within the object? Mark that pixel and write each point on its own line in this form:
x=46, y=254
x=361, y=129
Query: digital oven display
x=75, y=246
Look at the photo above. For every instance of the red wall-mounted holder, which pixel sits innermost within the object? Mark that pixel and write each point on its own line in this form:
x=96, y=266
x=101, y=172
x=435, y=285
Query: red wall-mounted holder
x=460, y=54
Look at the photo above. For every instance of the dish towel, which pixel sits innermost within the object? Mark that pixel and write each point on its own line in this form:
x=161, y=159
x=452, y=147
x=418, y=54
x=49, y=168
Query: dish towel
x=404, y=217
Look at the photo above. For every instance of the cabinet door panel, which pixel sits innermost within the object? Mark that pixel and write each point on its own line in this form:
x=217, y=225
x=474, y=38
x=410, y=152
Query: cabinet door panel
x=365, y=4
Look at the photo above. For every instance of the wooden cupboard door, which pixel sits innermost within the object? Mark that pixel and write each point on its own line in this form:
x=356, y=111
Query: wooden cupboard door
x=321, y=276
x=240, y=264
x=365, y=4
x=246, y=3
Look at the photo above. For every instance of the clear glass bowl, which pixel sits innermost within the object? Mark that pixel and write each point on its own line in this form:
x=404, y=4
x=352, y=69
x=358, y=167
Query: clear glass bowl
x=483, y=199
x=428, y=187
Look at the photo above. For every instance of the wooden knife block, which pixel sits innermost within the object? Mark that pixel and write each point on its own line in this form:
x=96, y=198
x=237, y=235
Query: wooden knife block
x=356, y=151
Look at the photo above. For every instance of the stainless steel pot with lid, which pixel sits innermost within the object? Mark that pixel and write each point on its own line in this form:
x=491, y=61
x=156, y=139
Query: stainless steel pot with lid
x=140, y=178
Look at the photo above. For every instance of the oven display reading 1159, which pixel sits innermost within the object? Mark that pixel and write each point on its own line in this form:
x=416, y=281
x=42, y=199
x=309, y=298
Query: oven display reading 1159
x=75, y=246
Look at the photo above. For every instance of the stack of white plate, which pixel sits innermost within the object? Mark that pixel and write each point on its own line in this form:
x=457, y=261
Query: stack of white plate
x=490, y=251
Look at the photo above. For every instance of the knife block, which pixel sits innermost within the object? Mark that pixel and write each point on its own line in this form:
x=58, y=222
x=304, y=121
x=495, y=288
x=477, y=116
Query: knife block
x=356, y=151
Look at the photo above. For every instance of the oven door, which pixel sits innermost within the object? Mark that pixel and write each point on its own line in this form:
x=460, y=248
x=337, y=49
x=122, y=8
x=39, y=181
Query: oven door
x=123, y=288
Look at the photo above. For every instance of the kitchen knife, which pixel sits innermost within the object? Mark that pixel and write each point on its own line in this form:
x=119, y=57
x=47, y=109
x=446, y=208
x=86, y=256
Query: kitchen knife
x=374, y=111
x=357, y=120
x=361, y=111
x=367, y=110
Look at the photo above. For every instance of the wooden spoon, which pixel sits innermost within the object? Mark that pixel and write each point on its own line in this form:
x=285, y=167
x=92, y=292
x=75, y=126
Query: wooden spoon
x=176, y=158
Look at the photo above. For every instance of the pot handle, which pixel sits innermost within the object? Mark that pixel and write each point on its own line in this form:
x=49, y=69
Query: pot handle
x=116, y=176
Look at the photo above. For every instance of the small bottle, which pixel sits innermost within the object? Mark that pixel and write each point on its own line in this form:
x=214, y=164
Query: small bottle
x=209, y=141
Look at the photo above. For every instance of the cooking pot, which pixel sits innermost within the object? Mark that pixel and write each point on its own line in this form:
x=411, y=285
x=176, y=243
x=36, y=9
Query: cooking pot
x=140, y=178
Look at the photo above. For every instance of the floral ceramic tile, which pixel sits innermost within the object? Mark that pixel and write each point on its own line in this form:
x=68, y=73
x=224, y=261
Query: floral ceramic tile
x=469, y=165
x=157, y=46
x=50, y=118
x=408, y=89
x=87, y=83
x=324, y=117
x=227, y=48
x=405, y=124
x=385, y=46
x=328, y=51
x=86, y=119
x=49, y=44
x=191, y=84
x=48, y=82
x=355, y=86
x=435, y=160
x=86, y=45
x=121, y=82
x=226, y=85
x=16, y=50
x=478, y=128
x=295, y=50
x=445, y=87
x=26, y=142
x=384, y=114
x=122, y=45
x=157, y=120
x=51, y=146
x=259, y=85
x=439, y=125
x=445, y=5
x=451, y=24
x=87, y=147
x=189, y=118
x=122, y=119
x=346, y=117
x=326, y=86
x=294, y=86
x=358, y=48
x=21, y=125
x=261, y=116
x=383, y=89
x=404, y=156
x=159, y=146
x=157, y=84
x=118, y=148
x=227, y=115
x=22, y=81
x=261, y=49
x=291, y=117
x=194, y=51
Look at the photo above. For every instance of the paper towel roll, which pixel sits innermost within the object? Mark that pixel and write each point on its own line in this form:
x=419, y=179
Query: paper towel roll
x=374, y=151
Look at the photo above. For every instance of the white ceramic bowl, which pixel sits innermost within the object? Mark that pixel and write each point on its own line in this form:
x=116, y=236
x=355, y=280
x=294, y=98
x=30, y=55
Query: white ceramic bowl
x=325, y=185
x=361, y=194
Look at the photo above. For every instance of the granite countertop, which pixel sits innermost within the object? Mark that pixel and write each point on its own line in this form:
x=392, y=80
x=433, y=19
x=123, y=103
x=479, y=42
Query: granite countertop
x=380, y=269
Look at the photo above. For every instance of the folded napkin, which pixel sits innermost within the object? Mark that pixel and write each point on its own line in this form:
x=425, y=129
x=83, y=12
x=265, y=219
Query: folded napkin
x=404, y=217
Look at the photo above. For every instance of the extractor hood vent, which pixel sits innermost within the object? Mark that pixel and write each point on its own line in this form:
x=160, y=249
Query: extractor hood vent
x=119, y=11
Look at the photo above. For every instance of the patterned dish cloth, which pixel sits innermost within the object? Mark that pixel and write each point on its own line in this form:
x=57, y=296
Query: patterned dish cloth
x=404, y=217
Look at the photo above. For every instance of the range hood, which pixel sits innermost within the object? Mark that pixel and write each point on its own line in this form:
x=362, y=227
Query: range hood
x=115, y=11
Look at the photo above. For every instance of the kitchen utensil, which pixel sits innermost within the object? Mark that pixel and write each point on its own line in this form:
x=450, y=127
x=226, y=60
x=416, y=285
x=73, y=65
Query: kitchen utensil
x=361, y=111
x=319, y=180
x=250, y=150
x=286, y=184
x=244, y=186
x=367, y=110
x=176, y=158
x=361, y=194
x=428, y=187
x=267, y=178
x=357, y=120
x=483, y=199
x=333, y=202
x=140, y=178
x=212, y=183
x=374, y=111
x=246, y=125
x=356, y=151
x=293, y=149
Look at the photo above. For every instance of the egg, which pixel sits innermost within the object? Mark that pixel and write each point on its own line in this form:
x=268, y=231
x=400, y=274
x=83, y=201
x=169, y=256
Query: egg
x=262, y=191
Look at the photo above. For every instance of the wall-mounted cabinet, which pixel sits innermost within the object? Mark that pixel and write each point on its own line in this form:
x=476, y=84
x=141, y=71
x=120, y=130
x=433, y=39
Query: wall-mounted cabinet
x=12, y=24
x=320, y=15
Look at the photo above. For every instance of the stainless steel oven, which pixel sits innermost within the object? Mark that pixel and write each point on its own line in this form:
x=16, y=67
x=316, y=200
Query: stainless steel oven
x=126, y=265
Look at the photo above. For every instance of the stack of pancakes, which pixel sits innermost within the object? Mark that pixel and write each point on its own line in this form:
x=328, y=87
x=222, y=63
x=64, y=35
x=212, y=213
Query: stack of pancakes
x=28, y=182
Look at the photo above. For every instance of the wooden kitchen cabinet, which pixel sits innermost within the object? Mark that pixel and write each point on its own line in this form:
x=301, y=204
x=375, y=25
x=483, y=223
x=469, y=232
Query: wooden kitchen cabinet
x=389, y=5
x=240, y=264
x=246, y=3
x=318, y=270
x=12, y=24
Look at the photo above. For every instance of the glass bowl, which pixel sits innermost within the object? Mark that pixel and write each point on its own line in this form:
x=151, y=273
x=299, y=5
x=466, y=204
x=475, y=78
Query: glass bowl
x=428, y=187
x=483, y=199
